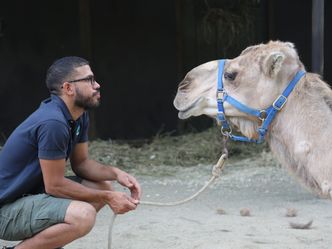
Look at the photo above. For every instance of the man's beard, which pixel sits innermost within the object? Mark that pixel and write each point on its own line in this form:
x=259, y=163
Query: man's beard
x=86, y=102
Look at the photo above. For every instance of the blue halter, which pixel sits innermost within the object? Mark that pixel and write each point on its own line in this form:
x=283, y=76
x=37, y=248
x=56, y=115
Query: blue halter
x=266, y=115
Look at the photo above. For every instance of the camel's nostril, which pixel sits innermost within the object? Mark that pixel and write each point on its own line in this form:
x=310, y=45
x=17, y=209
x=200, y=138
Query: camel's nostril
x=183, y=86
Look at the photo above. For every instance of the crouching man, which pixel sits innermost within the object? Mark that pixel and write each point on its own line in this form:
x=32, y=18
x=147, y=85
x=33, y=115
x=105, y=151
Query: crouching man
x=39, y=205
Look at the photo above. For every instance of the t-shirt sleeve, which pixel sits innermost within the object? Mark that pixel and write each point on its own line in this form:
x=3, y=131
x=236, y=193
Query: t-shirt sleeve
x=53, y=138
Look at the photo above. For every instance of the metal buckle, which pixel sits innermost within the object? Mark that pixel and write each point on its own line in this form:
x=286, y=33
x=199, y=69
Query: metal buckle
x=220, y=94
x=277, y=104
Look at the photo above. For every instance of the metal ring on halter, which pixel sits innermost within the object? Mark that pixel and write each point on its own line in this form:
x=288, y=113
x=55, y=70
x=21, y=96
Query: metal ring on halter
x=226, y=131
x=262, y=115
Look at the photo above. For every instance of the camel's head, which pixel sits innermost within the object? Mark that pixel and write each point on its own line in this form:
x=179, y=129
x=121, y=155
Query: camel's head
x=255, y=78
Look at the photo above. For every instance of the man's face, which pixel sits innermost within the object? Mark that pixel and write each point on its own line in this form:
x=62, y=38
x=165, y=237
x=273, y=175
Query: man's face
x=87, y=89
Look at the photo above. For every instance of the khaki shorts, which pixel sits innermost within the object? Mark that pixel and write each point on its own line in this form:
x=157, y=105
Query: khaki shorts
x=31, y=214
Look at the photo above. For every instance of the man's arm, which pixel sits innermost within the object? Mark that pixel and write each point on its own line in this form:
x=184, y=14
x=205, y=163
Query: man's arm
x=56, y=184
x=59, y=186
x=94, y=171
x=90, y=169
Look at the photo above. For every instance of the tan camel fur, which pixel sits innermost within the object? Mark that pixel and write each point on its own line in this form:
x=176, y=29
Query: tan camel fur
x=300, y=136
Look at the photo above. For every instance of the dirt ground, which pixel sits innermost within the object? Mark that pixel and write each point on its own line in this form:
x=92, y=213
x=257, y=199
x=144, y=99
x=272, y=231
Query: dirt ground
x=213, y=220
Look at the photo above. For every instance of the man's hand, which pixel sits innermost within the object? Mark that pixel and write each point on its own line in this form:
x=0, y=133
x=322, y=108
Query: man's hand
x=130, y=182
x=120, y=202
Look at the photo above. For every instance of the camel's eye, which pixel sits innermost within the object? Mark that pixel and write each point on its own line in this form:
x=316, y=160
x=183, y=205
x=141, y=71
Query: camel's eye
x=230, y=76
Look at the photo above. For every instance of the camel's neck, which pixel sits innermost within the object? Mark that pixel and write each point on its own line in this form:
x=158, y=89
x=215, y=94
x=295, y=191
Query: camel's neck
x=302, y=126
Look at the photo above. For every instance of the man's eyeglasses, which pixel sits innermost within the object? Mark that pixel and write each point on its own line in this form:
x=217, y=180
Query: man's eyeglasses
x=90, y=79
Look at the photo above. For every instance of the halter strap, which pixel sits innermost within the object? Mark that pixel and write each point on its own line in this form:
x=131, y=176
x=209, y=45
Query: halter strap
x=266, y=115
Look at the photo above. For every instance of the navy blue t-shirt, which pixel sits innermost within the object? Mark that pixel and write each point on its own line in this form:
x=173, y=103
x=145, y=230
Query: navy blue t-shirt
x=48, y=133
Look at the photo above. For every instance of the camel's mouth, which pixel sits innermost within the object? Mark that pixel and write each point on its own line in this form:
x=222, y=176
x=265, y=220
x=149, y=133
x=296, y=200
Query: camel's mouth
x=188, y=110
x=200, y=106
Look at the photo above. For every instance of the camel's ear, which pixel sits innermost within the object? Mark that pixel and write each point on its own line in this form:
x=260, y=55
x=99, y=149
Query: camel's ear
x=273, y=63
x=290, y=44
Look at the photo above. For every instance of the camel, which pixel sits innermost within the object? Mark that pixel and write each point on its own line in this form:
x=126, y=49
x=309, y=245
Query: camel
x=300, y=133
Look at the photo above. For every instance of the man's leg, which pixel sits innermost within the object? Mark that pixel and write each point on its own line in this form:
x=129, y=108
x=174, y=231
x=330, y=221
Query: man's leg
x=79, y=220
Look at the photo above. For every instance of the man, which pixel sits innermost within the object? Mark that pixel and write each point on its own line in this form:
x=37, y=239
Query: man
x=38, y=204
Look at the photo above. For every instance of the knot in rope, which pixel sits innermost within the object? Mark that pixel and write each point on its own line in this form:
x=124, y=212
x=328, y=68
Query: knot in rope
x=218, y=167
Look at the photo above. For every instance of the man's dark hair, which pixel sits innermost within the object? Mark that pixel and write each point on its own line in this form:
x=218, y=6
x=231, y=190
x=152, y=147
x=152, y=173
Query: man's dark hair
x=61, y=70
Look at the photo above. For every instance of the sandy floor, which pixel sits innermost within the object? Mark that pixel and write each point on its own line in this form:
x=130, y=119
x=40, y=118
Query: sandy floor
x=266, y=190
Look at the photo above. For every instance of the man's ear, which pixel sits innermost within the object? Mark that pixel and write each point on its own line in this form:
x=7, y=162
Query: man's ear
x=67, y=88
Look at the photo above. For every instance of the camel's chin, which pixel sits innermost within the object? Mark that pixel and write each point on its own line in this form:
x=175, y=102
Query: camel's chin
x=183, y=115
x=189, y=113
x=210, y=112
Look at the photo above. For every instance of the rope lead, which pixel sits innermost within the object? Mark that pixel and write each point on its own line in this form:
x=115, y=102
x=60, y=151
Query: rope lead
x=216, y=172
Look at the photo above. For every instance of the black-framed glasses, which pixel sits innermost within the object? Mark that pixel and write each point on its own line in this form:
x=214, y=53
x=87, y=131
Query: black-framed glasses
x=90, y=79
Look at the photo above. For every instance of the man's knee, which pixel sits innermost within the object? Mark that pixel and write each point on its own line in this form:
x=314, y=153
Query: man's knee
x=82, y=216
